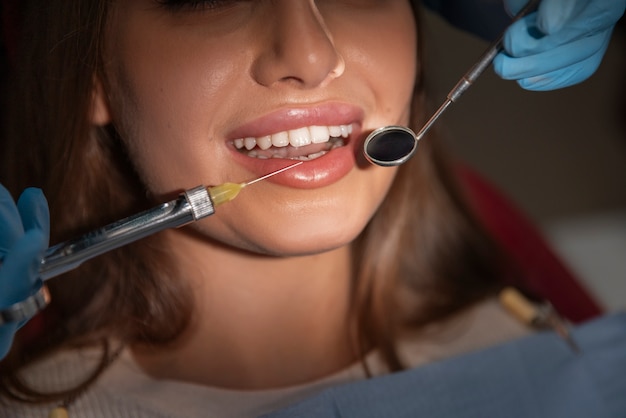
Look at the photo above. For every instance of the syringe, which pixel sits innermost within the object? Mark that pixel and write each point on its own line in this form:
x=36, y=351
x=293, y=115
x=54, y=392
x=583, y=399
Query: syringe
x=192, y=205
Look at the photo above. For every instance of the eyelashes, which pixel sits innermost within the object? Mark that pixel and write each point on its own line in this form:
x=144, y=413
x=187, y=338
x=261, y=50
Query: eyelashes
x=174, y=6
x=182, y=5
x=210, y=5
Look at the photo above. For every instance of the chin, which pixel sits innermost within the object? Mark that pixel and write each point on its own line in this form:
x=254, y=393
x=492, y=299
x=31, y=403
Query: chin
x=299, y=238
x=298, y=245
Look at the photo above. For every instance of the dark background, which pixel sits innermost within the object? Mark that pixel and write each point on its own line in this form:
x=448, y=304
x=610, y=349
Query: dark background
x=560, y=155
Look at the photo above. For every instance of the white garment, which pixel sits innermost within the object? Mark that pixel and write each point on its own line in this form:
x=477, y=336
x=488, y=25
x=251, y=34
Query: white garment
x=126, y=391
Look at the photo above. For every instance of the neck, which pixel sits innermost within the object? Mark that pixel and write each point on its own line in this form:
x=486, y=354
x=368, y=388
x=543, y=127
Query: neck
x=262, y=322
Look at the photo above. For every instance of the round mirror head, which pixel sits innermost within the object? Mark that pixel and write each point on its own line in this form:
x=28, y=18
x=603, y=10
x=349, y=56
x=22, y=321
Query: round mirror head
x=390, y=146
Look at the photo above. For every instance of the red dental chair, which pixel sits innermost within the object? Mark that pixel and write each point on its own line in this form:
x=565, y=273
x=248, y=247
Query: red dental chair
x=545, y=273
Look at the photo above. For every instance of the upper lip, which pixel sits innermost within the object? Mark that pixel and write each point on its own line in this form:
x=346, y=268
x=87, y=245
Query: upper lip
x=287, y=118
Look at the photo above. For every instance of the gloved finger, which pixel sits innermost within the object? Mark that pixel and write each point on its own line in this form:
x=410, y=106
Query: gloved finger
x=551, y=12
x=33, y=208
x=530, y=36
x=523, y=38
x=585, y=53
x=10, y=222
x=553, y=15
x=20, y=268
x=589, y=15
x=563, y=77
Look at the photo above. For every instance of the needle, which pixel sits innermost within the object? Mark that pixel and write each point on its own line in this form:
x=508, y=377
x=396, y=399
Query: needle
x=226, y=192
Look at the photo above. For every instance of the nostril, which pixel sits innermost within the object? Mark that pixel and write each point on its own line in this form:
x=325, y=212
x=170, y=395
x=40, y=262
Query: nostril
x=299, y=51
x=337, y=71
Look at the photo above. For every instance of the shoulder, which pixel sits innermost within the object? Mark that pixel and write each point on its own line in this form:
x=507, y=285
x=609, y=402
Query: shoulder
x=483, y=325
x=66, y=370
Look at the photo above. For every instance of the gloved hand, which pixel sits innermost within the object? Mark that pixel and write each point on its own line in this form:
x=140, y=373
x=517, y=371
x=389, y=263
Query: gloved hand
x=560, y=45
x=24, y=233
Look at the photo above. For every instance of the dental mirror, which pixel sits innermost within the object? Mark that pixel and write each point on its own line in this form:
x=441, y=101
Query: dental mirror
x=390, y=145
x=394, y=145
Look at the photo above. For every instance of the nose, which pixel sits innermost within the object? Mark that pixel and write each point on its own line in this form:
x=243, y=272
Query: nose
x=297, y=48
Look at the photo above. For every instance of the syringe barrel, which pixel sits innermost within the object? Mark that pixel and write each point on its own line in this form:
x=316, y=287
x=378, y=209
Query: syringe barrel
x=192, y=205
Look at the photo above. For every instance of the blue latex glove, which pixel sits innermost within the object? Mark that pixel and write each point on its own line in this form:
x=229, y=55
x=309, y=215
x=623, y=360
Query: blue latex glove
x=560, y=45
x=24, y=233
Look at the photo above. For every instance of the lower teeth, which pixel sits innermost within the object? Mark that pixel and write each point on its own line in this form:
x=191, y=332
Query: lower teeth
x=282, y=152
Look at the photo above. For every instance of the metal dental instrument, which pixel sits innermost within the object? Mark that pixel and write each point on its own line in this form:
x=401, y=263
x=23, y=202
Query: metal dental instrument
x=394, y=145
x=192, y=205
x=541, y=316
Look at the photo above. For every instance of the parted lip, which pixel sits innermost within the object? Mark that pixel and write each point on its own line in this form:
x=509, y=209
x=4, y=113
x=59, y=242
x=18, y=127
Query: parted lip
x=288, y=118
x=319, y=172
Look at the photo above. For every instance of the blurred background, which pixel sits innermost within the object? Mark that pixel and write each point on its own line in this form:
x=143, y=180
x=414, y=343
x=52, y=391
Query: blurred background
x=559, y=156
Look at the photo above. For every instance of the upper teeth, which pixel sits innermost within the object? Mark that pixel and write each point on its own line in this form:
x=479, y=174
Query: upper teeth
x=295, y=137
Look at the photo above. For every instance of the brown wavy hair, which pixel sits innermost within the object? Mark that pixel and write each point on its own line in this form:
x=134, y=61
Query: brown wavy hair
x=423, y=241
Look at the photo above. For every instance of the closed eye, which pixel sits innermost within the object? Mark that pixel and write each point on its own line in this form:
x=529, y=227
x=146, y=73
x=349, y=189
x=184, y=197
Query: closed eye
x=182, y=5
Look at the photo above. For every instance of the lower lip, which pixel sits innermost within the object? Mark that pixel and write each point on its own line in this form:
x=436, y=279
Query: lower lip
x=323, y=171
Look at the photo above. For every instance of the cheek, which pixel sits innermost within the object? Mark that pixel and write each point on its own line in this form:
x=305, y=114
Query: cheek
x=395, y=70
x=168, y=100
x=384, y=55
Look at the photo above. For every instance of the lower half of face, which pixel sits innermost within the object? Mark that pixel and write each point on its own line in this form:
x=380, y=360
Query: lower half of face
x=230, y=91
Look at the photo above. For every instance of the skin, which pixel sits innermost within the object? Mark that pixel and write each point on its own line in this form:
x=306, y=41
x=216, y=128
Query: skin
x=270, y=271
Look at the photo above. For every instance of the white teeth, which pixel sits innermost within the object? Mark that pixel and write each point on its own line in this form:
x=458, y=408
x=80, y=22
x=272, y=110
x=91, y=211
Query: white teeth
x=315, y=155
x=264, y=142
x=280, y=139
x=249, y=143
x=334, y=131
x=299, y=137
x=295, y=137
x=285, y=152
x=319, y=134
x=334, y=143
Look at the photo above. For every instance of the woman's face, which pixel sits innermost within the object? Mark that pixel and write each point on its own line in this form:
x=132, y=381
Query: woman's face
x=206, y=92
